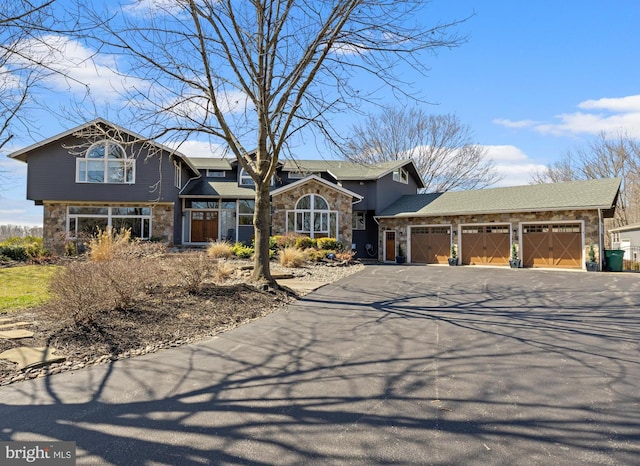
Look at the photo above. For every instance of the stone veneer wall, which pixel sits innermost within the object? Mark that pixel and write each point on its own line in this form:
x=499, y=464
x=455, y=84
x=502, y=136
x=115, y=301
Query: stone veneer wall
x=55, y=222
x=401, y=225
x=337, y=200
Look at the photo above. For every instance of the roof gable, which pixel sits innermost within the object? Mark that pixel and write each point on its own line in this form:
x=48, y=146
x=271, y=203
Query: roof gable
x=310, y=178
x=22, y=154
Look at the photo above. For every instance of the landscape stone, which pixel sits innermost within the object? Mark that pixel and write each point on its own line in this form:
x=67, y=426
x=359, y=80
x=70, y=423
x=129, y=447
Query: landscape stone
x=15, y=334
x=29, y=358
x=15, y=324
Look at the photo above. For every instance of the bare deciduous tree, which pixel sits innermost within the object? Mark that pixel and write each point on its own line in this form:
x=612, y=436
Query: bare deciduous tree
x=255, y=73
x=439, y=145
x=20, y=20
x=614, y=155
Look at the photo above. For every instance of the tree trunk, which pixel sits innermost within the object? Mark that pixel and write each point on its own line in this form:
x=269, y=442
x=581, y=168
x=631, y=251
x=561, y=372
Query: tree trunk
x=262, y=227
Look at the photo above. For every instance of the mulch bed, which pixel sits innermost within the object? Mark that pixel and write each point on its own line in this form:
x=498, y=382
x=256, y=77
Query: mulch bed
x=167, y=318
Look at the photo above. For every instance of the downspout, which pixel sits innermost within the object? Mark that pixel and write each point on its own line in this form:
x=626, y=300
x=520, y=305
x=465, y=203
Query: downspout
x=600, y=239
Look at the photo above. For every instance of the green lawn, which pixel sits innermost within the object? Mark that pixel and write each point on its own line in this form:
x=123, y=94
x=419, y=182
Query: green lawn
x=26, y=286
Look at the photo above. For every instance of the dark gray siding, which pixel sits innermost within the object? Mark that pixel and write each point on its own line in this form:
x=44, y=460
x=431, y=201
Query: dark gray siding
x=369, y=236
x=389, y=191
x=52, y=176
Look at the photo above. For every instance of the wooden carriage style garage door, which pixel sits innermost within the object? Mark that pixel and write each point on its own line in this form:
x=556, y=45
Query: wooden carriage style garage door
x=552, y=245
x=430, y=245
x=485, y=244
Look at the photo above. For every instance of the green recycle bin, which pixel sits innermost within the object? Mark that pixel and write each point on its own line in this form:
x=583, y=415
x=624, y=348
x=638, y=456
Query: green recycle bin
x=615, y=259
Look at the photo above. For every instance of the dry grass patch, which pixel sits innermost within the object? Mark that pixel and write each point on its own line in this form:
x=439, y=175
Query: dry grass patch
x=220, y=249
x=292, y=257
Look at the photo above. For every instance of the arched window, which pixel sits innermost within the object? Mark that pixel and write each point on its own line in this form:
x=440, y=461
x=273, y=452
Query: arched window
x=313, y=218
x=105, y=162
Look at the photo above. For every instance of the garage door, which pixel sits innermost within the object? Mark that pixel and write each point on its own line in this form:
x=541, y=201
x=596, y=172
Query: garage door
x=485, y=244
x=430, y=245
x=552, y=245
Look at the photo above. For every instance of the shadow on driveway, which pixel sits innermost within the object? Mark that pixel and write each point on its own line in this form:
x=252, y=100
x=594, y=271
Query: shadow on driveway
x=415, y=365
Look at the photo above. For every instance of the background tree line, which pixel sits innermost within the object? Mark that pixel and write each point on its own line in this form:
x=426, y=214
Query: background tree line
x=19, y=231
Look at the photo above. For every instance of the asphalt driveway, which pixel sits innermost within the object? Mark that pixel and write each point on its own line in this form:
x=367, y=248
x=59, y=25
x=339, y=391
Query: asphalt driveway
x=410, y=365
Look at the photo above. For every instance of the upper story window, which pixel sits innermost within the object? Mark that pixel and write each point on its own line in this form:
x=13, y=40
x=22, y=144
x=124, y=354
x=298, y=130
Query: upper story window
x=215, y=173
x=401, y=175
x=246, y=180
x=105, y=162
x=177, y=174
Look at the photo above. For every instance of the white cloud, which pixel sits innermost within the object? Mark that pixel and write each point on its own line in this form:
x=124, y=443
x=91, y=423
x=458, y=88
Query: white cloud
x=630, y=103
x=606, y=114
x=197, y=148
x=512, y=164
x=143, y=7
x=515, y=124
x=78, y=68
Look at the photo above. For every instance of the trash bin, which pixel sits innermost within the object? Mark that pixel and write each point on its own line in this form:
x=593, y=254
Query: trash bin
x=615, y=259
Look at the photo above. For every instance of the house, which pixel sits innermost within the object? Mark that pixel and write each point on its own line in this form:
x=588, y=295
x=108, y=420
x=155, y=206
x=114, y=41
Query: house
x=627, y=238
x=100, y=174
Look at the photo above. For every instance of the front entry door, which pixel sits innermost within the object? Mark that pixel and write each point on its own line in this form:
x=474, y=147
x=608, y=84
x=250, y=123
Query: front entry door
x=390, y=246
x=204, y=226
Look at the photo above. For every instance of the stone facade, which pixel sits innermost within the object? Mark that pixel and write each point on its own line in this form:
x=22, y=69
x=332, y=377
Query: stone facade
x=401, y=224
x=338, y=201
x=55, y=222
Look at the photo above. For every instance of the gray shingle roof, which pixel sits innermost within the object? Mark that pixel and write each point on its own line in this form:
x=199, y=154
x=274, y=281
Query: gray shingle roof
x=344, y=170
x=340, y=169
x=202, y=187
x=210, y=163
x=583, y=195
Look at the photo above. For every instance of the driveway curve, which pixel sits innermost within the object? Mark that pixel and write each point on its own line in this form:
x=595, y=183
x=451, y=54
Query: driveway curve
x=395, y=364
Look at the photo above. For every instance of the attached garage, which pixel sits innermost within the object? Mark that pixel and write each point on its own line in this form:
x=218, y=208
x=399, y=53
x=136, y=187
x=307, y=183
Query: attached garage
x=546, y=225
x=485, y=244
x=430, y=245
x=552, y=245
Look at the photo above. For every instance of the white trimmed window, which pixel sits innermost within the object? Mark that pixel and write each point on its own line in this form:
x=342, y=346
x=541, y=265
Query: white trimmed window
x=215, y=173
x=244, y=179
x=177, y=174
x=401, y=175
x=313, y=218
x=84, y=221
x=105, y=162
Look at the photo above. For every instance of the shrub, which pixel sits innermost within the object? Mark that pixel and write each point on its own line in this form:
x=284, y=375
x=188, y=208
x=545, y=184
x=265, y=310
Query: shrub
x=292, y=257
x=222, y=271
x=83, y=289
x=79, y=292
x=219, y=249
x=284, y=241
x=22, y=249
x=346, y=256
x=329, y=243
x=107, y=243
x=304, y=242
x=193, y=270
x=317, y=255
x=242, y=251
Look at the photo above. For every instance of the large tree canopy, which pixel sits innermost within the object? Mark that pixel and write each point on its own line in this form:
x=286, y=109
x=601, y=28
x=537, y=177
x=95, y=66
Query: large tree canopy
x=252, y=74
x=440, y=146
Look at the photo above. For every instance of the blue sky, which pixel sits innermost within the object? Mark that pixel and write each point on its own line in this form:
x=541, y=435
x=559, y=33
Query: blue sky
x=534, y=80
